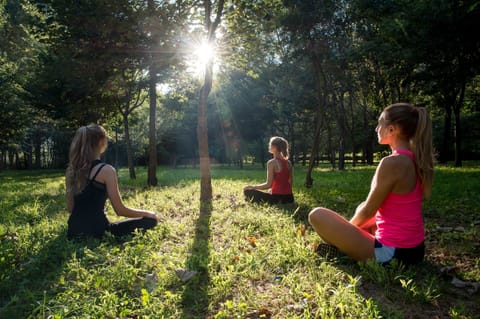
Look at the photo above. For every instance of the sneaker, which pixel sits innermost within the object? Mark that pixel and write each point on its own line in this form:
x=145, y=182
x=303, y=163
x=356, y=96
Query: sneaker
x=331, y=253
x=327, y=251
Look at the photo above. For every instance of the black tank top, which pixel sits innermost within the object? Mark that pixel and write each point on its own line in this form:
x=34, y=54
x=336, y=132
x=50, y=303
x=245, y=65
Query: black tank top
x=88, y=215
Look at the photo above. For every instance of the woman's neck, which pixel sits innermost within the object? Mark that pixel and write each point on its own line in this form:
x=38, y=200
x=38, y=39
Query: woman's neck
x=400, y=145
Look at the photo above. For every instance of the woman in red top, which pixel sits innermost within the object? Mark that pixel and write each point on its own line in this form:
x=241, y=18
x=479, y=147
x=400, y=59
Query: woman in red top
x=279, y=176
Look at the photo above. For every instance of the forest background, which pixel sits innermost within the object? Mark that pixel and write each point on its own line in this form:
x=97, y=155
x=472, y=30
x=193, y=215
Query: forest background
x=316, y=72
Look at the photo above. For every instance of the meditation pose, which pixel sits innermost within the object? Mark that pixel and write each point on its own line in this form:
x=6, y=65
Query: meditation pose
x=89, y=183
x=388, y=224
x=279, y=176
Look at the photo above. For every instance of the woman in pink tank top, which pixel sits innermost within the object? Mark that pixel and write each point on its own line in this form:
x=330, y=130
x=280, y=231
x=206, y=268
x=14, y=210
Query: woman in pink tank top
x=279, y=176
x=388, y=224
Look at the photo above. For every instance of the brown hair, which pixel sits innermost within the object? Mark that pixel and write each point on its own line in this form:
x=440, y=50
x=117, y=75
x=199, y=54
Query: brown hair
x=281, y=144
x=81, y=156
x=415, y=126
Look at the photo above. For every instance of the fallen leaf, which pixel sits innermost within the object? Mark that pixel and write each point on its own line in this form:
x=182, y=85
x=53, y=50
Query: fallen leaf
x=185, y=274
x=252, y=241
x=302, y=230
x=264, y=313
x=235, y=258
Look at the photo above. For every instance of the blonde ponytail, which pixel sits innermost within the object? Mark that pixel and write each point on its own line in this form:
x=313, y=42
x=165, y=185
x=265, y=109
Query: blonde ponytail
x=81, y=156
x=422, y=147
x=416, y=127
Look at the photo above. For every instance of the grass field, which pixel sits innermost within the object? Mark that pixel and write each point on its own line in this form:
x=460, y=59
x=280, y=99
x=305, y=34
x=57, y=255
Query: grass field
x=252, y=261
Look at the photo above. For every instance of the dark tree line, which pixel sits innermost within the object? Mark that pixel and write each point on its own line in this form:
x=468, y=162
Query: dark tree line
x=316, y=72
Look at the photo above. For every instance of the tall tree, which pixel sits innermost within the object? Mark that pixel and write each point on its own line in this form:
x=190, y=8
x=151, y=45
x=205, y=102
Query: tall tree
x=128, y=90
x=152, y=93
x=202, y=125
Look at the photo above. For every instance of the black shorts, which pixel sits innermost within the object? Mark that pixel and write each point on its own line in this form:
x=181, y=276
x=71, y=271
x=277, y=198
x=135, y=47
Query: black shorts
x=406, y=256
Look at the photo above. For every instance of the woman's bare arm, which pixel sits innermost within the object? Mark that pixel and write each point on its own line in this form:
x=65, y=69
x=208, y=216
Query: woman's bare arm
x=382, y=184
x=108, y=176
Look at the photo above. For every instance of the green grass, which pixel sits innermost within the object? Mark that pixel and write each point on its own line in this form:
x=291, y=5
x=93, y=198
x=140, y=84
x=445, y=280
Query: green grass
x=43, y=275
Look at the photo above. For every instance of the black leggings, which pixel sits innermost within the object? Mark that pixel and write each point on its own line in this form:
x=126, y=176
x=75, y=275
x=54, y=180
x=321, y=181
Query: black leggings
x=127, y=227
x=257, y=196
x=410, y=256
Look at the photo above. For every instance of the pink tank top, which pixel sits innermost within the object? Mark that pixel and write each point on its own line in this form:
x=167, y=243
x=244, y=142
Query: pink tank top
x=399, y=219
x=281, y=180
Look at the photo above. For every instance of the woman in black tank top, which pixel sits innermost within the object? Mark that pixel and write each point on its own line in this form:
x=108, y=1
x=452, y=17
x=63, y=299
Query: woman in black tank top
x=89, y=183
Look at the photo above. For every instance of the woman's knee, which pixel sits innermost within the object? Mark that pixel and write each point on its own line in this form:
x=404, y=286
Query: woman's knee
x=317, y=215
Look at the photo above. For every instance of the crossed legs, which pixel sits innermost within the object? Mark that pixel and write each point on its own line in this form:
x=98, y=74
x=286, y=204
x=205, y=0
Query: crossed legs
x=335, y=230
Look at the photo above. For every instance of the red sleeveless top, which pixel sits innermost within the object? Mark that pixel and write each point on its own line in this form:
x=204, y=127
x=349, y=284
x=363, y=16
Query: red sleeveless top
x=281, y=184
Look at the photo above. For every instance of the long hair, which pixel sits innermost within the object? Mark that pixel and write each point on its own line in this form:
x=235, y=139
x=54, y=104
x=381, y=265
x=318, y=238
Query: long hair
x=81, y=156
x=415, y=126
x=281, y=144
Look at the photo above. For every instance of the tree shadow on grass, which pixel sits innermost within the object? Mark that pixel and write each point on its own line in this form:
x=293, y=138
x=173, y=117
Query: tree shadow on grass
x=27, y=281
x=195, y=300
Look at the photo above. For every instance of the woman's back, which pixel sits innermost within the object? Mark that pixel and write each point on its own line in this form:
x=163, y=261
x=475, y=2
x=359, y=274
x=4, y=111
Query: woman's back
x=88, y=215
x=282, y=178
x=399, y=219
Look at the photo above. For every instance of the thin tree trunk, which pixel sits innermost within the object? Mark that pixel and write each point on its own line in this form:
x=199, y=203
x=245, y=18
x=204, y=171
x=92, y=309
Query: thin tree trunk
x=292, y=143
x=37, y=145
x=152, y=159
x=131, y=167
x=152, y=92
x=447, y=127
x=331, y=151
x=202, y=135
x=202, y=125
x=342, y=133
x=115, y=161
x=458, y=128
x=314, y=151
x=11, y=155
x=320, y=77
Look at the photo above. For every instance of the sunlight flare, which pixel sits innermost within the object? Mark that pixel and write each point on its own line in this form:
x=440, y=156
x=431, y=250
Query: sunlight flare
x=202, y=54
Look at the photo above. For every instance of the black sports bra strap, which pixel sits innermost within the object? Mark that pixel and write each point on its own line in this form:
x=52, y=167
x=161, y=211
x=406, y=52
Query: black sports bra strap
x=98, y=171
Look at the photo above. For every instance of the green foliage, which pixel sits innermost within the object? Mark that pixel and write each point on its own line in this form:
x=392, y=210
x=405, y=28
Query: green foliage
x=43, y=274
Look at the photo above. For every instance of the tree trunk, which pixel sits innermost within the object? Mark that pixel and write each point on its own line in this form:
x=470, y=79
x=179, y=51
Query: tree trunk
x=314, y=152
x=152, y=93
x=342, y=132
x=341, y=153
x=11, y=156
x=292, y=143
x=458, y=128
x=29, y=155
x=131, y=167
x=331, y=150
x=202, y=135
x=202, y=125
x=447, y=127
x=352, y=128
x=115, y=161
x=38, y=147
x=152, y=159
x=262, y=153
x=320, y=78
x=17, y=160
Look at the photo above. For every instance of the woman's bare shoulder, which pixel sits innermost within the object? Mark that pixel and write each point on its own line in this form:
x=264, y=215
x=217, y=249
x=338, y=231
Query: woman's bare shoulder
x=394, y=164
